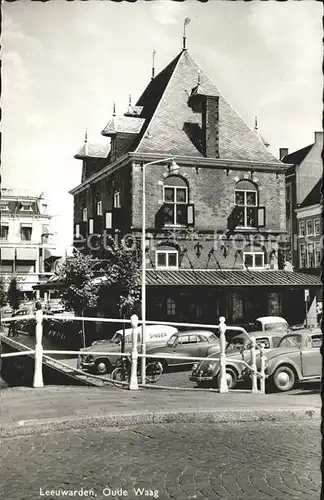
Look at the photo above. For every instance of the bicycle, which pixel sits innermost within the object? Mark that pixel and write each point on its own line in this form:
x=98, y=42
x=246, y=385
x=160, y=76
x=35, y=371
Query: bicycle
x=122, y=372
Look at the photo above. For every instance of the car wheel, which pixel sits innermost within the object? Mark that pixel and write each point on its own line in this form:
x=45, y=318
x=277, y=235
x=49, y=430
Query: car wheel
x=231, y=379
x=103, y=366
x=284, y=378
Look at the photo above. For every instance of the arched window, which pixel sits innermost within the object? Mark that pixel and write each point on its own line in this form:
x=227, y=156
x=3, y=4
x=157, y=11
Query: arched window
x=176, y=201
x=246, y=202
x=167, y=257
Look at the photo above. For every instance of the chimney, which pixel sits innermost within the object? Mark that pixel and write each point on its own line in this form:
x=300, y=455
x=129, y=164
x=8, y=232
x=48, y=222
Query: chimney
x=318, y=137
x=210, y=126
x=283, y=152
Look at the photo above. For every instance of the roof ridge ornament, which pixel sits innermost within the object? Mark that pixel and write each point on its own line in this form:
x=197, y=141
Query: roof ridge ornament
x=257, y=131
x=130, y=103
x=114, y=109
x=186, y=22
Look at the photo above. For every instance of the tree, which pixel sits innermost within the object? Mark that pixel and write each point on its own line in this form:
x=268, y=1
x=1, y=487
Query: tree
x=80, y=289
x=3, y=293
x=110, y=285
x=122, y=280
x=14, y=293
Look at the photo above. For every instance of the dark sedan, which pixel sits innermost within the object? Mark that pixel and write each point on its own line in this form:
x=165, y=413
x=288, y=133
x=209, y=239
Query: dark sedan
x=193, y=344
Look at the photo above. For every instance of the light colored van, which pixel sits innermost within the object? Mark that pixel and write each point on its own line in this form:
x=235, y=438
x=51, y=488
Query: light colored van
x=102, y=362
x=155, y=334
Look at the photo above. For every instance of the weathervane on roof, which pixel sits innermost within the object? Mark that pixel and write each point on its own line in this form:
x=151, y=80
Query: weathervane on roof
x=114, y=109
x=130, y=103
x=186, y=22
x=86, y=142
x=153, y=64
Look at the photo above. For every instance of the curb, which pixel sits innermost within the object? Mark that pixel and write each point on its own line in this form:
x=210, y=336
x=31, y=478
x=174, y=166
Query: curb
x=32, y=427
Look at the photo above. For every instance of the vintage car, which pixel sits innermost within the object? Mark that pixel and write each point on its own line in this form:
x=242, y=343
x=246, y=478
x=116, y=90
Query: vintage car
x=54, y=306
x=191, y=343
x=101, y=364
x=206, y=373
x=270, y=323
x=296, y=359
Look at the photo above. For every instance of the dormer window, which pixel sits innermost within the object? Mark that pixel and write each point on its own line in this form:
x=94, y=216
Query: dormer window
x=4, y=207
x=26, y=207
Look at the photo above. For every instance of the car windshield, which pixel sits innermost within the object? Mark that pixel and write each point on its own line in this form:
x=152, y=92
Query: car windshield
x=279, y=327
x=171, y=340
x=290, y=341
x=117, y=338
x=235, y=344
x=213, y=338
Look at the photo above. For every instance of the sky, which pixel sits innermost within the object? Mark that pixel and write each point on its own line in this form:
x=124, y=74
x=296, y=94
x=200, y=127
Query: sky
x=65, y=63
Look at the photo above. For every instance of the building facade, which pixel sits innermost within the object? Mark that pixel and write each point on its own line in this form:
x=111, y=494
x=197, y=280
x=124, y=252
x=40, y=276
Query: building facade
x=26, y=242
x=301, y=177
x=215, y=213
x=310, y=239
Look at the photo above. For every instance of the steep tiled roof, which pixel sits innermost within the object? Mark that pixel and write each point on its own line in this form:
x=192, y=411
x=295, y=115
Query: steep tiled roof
x=314, y=196
x=93, y=151
x=230, y=278
x=298, y=156
x=171, y=122
x=123, y=124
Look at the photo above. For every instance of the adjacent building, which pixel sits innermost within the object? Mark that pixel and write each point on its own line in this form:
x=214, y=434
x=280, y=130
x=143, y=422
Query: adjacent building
x=304, y=173
x=309, y=236
x=26, y=243
x=214, y=208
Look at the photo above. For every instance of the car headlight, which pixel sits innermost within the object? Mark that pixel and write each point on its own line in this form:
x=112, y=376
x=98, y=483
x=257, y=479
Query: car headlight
x=210, y=367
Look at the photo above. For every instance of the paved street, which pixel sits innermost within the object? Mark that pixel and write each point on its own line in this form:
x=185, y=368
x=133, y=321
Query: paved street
x=246, y=461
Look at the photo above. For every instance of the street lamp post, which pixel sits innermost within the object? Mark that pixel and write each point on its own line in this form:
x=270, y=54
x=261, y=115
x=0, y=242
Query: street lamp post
x=143, y=293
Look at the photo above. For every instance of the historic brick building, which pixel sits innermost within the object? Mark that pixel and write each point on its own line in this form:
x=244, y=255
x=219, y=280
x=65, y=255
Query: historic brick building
x=215, y=203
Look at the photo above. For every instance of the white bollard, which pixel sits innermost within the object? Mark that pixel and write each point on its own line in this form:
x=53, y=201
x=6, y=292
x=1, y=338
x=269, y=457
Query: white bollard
x=38, y=373
x=253, y=366
x=262, y=369
x=133, y=382
x=223, y=382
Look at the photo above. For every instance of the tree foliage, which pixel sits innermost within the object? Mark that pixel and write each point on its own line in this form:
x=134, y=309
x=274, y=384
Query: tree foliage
x=14, y=293
x=3, y=293
x=123, y=279
x=85, y=279
x=80, y=290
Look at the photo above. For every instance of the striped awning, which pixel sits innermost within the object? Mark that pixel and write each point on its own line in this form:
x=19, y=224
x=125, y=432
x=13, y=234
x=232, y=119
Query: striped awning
x=230, y=278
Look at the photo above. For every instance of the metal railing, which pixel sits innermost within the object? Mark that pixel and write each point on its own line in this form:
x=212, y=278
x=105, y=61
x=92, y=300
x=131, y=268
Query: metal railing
x=39, y=352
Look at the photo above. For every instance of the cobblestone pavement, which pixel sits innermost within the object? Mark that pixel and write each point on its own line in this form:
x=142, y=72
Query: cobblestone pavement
x=255, y=461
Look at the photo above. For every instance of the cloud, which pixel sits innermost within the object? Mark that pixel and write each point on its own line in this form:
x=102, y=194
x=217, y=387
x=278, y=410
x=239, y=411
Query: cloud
x=167, y=11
